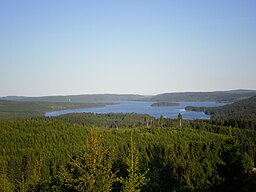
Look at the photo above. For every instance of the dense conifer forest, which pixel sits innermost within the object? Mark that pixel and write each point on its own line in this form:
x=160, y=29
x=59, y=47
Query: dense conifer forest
x=129, y=152
x=23, y=109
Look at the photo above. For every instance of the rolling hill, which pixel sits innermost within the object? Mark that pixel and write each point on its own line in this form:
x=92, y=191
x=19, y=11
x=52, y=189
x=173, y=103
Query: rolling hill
x=218, y=96
x=90, y=98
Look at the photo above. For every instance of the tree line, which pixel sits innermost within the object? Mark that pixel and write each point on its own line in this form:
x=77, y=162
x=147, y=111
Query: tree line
x=153, y=154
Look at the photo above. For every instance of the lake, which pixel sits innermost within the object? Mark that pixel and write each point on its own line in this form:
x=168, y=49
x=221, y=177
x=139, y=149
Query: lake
x=145, y=108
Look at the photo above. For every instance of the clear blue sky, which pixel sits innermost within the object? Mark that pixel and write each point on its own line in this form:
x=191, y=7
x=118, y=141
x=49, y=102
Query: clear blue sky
x=58, y=47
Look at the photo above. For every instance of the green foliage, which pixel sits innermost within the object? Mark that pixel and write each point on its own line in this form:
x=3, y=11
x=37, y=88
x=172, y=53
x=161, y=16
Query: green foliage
x=135, y=180
x=233, y=168
x=110, y=120
x=5, y=184
x=49, y=155
x=245, y=109
x=241, y=114
x=31, y=150
x=91, y=171
x=26, y=109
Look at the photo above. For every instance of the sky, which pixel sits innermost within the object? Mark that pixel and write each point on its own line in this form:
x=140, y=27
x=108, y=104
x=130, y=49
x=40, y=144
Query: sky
x=63, y=47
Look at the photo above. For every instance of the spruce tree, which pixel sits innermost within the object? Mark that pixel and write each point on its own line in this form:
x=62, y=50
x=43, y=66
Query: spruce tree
x=91, y=172
x=135, y=180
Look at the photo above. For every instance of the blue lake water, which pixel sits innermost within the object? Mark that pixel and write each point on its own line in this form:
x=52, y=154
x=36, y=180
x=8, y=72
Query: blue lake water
x=145, y=108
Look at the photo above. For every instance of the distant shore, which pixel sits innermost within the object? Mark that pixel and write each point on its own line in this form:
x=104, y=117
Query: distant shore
x=164, y=104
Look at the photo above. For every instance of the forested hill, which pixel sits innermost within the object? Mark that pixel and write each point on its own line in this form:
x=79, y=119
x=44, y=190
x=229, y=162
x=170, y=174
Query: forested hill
x=90, y=98
x=218, y=96
x=24, y=109
x=240, y=114
x=245, y=109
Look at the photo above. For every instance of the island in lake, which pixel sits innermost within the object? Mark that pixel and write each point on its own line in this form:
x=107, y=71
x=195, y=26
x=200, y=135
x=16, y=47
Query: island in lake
x=164, y=104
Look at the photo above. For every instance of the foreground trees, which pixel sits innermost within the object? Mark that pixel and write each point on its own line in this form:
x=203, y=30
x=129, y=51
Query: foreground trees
x=91, y=171
x=135, y=180
x=44, y=155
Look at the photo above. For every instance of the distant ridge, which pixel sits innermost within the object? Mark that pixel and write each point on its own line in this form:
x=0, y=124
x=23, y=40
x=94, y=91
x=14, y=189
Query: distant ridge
x=217, y=96
x=241, y=91
x=89, y=98
x=13, y=98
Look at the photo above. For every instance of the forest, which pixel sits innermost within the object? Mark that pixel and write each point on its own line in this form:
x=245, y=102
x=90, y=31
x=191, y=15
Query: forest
x=12, y=109
x=240, y=114
x=130, y=152
x=162, y=104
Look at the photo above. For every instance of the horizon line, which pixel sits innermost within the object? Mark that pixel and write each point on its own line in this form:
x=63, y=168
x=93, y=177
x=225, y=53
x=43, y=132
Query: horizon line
x=146, y=94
